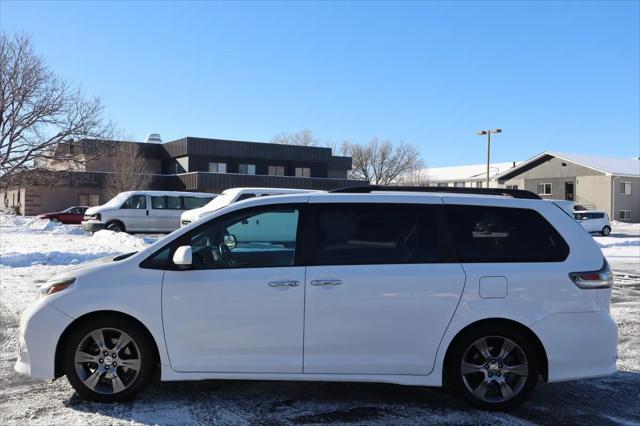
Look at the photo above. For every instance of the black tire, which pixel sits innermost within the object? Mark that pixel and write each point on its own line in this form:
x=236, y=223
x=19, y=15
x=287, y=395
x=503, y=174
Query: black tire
x=115, y=227
x=520, y=386
x=143, y=349
x=606, y=231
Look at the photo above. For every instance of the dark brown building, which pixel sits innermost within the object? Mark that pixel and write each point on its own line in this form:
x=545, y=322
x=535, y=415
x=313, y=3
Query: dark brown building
x=187, y=164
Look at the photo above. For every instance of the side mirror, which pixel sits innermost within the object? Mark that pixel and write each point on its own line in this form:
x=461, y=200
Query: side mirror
x=182, y=256
x=230, y=241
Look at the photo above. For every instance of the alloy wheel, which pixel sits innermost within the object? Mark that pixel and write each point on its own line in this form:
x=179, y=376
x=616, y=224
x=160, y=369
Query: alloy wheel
x=107, y=361
x=494, y=369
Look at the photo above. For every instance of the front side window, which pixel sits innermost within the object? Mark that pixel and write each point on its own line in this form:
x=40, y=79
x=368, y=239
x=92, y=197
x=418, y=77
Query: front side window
x=276, y=170
x=248, y=239
x=544, y=189
x=359, y=234
x=245, y=196
x=497, y=234
x=217, y=167
x=303, y=172
x=247, y=169
x=625, y=188
x=135, y=202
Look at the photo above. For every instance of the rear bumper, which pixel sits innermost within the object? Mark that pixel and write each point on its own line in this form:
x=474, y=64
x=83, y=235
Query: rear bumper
x=90, y=226
x=579, y=345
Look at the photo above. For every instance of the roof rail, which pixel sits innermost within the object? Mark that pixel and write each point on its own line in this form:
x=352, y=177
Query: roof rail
x=515, y=193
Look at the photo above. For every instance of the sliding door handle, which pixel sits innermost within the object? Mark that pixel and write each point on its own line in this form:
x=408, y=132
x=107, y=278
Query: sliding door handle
x=284, y=284
x=326, y=282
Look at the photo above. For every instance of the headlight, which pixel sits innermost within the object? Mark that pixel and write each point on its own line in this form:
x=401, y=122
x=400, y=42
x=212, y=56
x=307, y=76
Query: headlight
x=55, y=286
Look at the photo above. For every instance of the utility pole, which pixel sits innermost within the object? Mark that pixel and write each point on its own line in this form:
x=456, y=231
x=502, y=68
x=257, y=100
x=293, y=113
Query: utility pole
x=488, y=133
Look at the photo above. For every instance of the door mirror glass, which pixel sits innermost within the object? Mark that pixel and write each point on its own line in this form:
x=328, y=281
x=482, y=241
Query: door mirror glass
x=182, y=256
x=230, y=241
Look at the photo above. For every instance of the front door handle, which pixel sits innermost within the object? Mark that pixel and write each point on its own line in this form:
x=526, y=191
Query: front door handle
x=326, y=282
x=284, y=284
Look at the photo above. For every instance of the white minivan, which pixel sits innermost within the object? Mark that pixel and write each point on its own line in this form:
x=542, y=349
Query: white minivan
x=233, y=195
x=488, y=293
x=143, y=211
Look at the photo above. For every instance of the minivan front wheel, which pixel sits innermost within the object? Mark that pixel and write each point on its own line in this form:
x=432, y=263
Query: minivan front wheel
x=494, y=368
x=108, y=360
x=606, y=230
x=115, y=227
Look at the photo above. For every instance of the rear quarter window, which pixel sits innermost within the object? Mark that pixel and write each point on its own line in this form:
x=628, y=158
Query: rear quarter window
x=499, y=234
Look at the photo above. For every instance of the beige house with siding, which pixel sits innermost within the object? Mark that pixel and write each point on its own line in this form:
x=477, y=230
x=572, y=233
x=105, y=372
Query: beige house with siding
x=594, y=182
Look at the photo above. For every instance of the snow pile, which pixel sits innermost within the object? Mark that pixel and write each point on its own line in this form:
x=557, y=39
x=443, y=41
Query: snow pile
x=14, y=223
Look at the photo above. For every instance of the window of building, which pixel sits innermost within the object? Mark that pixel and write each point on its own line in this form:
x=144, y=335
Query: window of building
x=625, y=188
x=512, y=186
x=484, y=234
x=276, y=170
x=458, y=184
x=217, y=167
x=247, y=169
x=478, y=184
x=266, y=238
x=544, y=189
x=360, y=234
x=135, y=202
x=442, y=184
x=303, y=172
x=89, y=200
x=625, y=215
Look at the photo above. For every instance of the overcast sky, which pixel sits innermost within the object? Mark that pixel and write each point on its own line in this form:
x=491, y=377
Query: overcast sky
x=555, y=76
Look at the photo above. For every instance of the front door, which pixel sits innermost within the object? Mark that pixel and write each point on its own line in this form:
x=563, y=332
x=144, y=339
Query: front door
x=240, y=306
x=569, y=193
x=134, y=213
x=381, y=293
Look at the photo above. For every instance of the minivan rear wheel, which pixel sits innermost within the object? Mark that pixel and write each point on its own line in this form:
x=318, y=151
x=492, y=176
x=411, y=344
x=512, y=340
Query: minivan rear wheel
x=108, y=359
x=606, y=230
x=494, y=367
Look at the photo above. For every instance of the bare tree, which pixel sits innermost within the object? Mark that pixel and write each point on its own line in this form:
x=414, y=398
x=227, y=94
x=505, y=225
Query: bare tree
x=38, y=111
x=302, y=138
x=131, y=170
x=382, y=162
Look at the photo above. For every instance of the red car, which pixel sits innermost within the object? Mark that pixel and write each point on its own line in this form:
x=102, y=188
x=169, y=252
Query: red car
x=71, y=215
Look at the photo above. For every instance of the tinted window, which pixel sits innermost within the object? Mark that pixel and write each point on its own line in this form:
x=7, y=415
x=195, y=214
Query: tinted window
x=166, y=202
x=497, y=234
x=250, y=239
x=356, y=234
x=136, y=202
x=194, y=202
x=245, y=196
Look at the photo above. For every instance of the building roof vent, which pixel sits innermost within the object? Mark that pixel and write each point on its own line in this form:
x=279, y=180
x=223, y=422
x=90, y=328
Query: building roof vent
x=153, y=138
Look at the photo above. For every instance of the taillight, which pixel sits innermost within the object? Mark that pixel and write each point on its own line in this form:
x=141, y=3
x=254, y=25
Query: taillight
x=602, y=278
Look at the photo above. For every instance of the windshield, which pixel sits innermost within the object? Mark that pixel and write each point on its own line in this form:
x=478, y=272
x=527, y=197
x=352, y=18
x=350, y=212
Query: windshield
x=219, y=202
x=117, y=200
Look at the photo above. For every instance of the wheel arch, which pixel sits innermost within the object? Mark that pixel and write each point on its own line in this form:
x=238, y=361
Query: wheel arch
x=540, y=350
x=58, y=367
x=118, y=221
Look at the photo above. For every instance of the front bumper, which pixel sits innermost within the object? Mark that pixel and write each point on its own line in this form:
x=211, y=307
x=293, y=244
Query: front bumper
x=90, y=226
x=579, y=345
x=41, y=326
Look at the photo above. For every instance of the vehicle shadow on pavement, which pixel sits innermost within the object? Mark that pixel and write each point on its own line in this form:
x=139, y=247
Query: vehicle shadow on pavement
x=610, y=400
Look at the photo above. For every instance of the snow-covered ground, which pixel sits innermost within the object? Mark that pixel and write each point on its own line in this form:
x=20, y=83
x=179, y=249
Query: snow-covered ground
x=32, y=250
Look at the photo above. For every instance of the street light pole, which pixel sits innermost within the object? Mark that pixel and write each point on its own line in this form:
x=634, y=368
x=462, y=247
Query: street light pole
x=488, y=133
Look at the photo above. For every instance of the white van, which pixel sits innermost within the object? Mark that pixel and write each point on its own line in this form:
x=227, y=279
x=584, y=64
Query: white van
x=143, y=211
x=232, y=195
